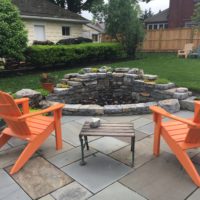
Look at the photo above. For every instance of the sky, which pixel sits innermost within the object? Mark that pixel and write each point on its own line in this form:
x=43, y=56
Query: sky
x=155, y=6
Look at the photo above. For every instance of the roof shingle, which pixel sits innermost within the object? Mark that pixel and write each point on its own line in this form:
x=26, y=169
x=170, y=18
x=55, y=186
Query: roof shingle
x=160, y=17
x=44, y=8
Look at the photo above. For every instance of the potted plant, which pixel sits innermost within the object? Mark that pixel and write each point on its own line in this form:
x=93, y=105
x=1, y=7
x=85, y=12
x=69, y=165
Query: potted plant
x=47, y=82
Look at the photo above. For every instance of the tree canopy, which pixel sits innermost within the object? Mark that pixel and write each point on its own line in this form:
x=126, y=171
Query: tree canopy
x=196, y=14
x=123, y=23
x=79, y=5
x=13, y=37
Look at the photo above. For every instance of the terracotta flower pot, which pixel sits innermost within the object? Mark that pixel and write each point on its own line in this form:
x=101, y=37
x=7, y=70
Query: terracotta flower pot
x=48, y=86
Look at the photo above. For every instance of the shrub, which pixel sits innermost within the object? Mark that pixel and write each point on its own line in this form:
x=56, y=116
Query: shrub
x=57, y=54
x=13, y=37
x=47, y=42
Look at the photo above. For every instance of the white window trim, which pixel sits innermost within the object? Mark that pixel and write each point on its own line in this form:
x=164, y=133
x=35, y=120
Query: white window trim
x=158, y=26
x=66, y=36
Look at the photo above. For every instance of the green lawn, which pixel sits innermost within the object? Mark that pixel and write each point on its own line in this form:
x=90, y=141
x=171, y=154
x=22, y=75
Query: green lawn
x=184, y=72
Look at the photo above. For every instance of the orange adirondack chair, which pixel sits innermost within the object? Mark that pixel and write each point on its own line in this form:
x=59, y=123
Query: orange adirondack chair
x=180, y=134
x=32, y=127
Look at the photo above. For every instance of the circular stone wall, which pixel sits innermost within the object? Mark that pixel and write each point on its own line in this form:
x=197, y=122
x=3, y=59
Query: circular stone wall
x=121, y=91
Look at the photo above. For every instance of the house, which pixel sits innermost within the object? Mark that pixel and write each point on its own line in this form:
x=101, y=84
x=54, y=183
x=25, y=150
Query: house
x=93, y=31
x=46, y=21
x=177, y=15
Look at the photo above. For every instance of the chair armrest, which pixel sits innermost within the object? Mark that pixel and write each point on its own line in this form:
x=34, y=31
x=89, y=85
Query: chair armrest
x=25, y=104
x=181, y=51
x=164, y=113
x=21, y=101
x=47, y=110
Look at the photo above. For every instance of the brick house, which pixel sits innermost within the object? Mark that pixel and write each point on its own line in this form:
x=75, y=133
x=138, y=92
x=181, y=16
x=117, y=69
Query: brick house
x=177, y=15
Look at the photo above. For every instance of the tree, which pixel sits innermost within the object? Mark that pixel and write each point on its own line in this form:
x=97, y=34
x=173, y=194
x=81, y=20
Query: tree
x=13, y=37
x=123, y=23
x=147, y=14
x=78, y=5
x=196, y=14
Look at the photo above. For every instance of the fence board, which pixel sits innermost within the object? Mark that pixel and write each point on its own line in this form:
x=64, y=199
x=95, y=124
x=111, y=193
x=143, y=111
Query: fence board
x=170, y=39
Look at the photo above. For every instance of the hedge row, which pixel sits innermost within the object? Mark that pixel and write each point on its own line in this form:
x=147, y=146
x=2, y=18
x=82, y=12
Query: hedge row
x=82, y=53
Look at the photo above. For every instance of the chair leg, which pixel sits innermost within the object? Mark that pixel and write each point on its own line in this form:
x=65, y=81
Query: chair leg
x=57, y=116
x=156, y=146
x=3, y=139
x=188, y=165
x=29, y=150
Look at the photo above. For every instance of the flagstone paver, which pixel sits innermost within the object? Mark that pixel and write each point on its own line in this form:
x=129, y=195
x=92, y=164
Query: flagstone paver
x=195, y=195
x=147, y=129
x=73, y=191
x=38, y=178
x=48, y=148
x=47, y=197
x=162, y=178
x=143, y=153
x=70, y=133
x=14, y=142
x=117, y=191
x=9, y=190
x=99, y=172
x=107, y=144
x=69, y=157
x=5, y=147
x=141, y=122
x=9, y=156
x=66, y=119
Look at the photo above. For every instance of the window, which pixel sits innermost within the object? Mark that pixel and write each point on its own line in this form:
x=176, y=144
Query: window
x=161, y=26
x=65, y=30
x=95, y=37
x=150, y=27
x=155, y=26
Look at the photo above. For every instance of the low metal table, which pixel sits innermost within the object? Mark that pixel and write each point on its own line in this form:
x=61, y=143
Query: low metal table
x=108, y=130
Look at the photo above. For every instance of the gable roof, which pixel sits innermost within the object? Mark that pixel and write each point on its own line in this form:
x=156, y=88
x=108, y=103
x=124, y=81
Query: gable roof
x=43, y=9
x=159, y=17
x=95, y=27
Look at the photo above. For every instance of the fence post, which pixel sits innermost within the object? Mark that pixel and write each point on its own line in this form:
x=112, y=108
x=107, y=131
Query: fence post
x=160, y=39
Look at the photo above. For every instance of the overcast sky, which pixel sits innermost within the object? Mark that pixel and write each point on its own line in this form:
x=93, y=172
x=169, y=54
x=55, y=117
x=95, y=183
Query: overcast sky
x=155, y=6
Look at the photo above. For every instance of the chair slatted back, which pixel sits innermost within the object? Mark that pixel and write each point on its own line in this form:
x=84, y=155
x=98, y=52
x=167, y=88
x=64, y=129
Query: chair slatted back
x=8, y=108
x=188, y=47
x=193, y=135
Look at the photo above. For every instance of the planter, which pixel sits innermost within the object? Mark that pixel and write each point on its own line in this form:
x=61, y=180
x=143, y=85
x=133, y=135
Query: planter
x=48, y=86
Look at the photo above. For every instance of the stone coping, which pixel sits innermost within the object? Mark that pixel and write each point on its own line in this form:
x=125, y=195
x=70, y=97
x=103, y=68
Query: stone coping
x=95, y=110
x=171, y=105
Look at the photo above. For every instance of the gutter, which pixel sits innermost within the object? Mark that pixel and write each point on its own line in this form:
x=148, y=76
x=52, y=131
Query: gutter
x=55, y=19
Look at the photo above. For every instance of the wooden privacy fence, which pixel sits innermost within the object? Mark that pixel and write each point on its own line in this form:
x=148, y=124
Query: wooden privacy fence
x=170, y=39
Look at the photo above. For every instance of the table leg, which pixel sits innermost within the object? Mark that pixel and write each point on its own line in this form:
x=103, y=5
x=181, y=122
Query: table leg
x=133, y=149
x=86, y=142
x=82, y=151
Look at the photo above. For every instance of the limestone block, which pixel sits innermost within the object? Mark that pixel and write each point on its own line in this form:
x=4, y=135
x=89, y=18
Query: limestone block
x=188, y=104
x=112, y=109
x=170, y=105
x=34, y=96
x=122, y=70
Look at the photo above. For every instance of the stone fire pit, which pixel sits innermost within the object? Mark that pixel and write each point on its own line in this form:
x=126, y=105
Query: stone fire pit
x=115, y=91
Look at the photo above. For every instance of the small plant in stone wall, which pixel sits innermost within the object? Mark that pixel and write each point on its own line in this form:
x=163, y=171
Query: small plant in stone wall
x=162, y=81
x=62, y=85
